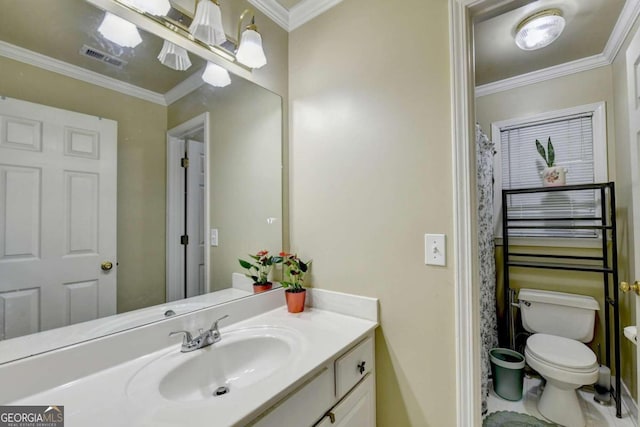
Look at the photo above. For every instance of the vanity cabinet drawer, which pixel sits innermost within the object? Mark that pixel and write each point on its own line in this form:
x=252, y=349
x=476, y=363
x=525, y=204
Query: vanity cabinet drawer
x=354, y=365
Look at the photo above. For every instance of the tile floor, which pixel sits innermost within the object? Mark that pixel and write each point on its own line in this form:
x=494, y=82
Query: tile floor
x=596, y=414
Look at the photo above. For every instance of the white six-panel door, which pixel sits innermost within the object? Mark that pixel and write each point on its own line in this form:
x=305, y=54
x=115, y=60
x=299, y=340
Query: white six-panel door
x=57, y=217
x=633, y=85
x=195, y=219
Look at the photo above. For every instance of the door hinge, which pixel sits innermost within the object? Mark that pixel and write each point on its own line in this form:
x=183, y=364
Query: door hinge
x=184, y=162
x=184, y=240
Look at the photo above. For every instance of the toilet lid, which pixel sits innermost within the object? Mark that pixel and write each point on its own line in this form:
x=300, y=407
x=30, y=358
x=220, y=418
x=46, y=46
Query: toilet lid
x=561, y=351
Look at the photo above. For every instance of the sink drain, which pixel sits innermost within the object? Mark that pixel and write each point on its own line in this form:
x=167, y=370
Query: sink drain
x=221, y=391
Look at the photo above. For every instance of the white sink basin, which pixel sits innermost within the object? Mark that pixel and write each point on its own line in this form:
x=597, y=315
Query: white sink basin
x=241, y=359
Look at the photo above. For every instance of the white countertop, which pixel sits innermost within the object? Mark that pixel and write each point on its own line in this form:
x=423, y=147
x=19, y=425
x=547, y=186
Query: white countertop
x=102, y=399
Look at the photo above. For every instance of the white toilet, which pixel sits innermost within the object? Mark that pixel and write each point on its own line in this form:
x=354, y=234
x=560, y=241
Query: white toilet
x=560, y=324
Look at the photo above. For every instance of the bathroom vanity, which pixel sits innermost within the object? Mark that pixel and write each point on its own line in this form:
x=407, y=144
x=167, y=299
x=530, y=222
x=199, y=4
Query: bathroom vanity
x=270, y=368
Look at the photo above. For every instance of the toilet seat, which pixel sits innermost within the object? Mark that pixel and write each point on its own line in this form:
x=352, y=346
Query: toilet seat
x=562, y=353
x=546, y=354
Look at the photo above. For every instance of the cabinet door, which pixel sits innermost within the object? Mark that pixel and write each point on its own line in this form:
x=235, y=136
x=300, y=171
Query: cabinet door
x=357, y=409
x=304, y=406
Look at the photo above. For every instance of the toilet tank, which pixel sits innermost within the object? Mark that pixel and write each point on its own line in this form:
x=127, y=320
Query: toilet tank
x=557, y=313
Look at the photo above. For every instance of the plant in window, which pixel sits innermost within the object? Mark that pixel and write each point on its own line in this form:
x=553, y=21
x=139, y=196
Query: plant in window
x=552, y=175
x=549, y=156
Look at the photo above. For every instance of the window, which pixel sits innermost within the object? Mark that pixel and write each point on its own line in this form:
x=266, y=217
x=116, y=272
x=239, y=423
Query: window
x=579, y=139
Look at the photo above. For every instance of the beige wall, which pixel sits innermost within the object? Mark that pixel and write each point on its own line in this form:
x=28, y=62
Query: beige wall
x=577, y=89
x=624, y=202
x=370, y=174
x=246, y=174
x=141, y=171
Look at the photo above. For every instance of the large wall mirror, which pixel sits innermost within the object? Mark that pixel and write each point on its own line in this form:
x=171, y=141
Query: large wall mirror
x=95, y=204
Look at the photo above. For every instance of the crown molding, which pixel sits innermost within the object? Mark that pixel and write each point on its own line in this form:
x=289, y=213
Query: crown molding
x=624, y=24
x=274, y=11
x=301, y=13
x=184, y=88
x=538, y=76
x=45, y=62
x=306, y=10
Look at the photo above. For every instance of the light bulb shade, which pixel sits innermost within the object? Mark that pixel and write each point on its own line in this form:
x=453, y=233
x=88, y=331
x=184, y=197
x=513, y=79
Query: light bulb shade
x=207, y=24
x=175, y=57
x=216, y=76
x=250, y=52
x=539, y=30
x=153, y=7
x=119, y=31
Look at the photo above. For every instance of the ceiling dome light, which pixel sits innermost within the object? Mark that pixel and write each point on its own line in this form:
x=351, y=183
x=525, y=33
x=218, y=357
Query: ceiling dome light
x=207, y=23
x=216, y=76
x=540, y=29
x=119, y=31
x=175, y=57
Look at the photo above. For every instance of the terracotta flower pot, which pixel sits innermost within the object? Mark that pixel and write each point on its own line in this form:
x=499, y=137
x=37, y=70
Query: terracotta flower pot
x=295, y=300
x=261, y=287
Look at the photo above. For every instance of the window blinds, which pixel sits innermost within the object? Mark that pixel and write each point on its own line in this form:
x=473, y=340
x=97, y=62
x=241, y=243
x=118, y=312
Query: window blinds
x=572, y=138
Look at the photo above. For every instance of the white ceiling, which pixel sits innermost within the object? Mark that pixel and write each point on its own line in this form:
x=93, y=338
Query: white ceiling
x=589, y=25
x=74, y=23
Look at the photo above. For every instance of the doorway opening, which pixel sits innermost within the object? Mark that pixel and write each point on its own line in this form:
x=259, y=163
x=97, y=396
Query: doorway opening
x=187, y=260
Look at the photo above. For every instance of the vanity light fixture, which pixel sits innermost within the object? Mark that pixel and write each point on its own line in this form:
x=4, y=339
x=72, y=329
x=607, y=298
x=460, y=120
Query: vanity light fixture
x=152, y=7
x=119, y=31
x=216, y=76
x=540, y=29
x=174, y=56
x=207, y=23
x=250, y=52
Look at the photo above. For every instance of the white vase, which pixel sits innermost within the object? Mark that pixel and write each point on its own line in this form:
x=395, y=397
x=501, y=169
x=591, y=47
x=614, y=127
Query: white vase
x=554, y=176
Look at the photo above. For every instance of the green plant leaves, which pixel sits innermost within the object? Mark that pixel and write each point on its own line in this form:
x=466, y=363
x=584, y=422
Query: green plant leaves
x=246, y=264
x=551, y=153
x=541, y=151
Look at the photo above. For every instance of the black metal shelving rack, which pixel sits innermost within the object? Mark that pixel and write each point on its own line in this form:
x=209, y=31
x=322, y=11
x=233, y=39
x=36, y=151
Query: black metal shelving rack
x=606, y=263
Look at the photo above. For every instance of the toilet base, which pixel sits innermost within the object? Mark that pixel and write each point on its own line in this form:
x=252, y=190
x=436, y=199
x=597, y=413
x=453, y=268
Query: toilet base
x=559, y=403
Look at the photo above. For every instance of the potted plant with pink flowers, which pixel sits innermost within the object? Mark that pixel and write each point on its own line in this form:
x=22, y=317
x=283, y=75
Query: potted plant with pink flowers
x=295, y=271
x=259, y=270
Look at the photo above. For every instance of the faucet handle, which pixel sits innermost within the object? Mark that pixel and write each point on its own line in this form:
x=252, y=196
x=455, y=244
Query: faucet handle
x=187, y=336
x=214, y=327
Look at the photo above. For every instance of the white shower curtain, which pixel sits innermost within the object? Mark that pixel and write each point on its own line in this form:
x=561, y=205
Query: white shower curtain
x=488, y=319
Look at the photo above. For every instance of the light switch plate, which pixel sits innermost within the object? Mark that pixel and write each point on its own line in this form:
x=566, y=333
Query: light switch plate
x=214, y=237
x=435, y=249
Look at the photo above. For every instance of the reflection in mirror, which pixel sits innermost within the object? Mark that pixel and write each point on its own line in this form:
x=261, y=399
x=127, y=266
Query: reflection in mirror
x=95, y=219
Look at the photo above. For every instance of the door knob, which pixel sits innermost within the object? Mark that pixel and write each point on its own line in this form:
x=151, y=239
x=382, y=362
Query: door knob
x=626, y=287
x=106, y=266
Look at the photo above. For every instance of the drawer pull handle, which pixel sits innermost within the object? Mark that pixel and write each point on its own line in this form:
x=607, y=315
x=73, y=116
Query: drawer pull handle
x=361, y=367
x=332, y=417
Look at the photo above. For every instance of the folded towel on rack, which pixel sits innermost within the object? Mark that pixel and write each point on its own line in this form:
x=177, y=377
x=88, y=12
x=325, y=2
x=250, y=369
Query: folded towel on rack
x=631, y=333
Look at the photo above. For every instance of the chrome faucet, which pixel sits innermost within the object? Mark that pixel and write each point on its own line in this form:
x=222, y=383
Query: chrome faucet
x=205, y=339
